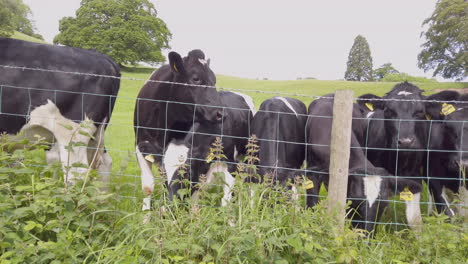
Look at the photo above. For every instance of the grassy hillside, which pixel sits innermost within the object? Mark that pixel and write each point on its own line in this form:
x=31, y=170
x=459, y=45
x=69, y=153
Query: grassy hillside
x=19, y=35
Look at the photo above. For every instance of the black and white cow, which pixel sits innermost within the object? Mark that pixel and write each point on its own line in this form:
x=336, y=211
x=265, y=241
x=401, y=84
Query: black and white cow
x=369, y=187
x=448, y=151
x=279, y=126
x=192, y=151
x=61, y=93
x=398, y=132
x=175, y=98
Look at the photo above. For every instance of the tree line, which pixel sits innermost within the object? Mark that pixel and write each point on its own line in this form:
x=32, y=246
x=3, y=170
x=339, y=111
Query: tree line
x=129, y=31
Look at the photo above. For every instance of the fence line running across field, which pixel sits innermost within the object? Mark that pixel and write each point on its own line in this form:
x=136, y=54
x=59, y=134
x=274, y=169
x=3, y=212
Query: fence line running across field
x=161, y=180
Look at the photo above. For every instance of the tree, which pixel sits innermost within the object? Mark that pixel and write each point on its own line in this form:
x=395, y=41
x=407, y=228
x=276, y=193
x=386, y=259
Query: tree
x=359, y=65
x=14, y=15
x=445, y=49
x=127, y=30
x=6, y=24
x=383, y=70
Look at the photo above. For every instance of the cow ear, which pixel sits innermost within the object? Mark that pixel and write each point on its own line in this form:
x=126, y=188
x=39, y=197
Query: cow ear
x=176, y=63
x=403, y=185
x=434, y=109
x=370, y=102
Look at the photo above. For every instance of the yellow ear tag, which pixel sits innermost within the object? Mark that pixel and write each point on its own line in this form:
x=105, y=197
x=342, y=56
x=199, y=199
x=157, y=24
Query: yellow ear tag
x=428, y=117
x=370, y=106
x=175, y=68
x=309, y=184
x=406, y=195
x=447, y=109
x=149, y=158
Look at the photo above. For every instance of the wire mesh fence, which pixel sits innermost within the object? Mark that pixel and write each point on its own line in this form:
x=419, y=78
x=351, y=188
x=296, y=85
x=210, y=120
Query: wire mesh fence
x=125, y=178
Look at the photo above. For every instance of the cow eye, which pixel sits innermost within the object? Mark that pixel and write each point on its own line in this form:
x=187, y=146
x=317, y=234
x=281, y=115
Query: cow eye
x=196, y=79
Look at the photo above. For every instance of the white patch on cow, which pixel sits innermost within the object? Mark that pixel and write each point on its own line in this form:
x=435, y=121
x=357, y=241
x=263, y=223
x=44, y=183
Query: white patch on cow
x=147, y=178
x=104, y=169
x=235, y=153
x=444, y=196
x=175, y=156
x=405, y=93
x=47, y=121
x=369, y=114
x=413, y=212
x=372, y=188
x=203, y=62
x=229, y=180
x=295, y=194
x=249, y=102
x=229, y=184
x=287, y=104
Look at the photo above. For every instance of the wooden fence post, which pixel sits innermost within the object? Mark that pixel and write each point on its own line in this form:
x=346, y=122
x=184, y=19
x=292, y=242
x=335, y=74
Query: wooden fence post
x=339, y=154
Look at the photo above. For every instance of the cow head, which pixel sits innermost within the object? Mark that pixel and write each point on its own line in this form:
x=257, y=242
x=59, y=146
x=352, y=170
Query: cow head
x=194, y=83
x=404, y=114
x=452, y=110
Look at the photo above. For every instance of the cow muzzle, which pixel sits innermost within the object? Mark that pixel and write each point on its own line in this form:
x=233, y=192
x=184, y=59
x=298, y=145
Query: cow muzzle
x=406, y=142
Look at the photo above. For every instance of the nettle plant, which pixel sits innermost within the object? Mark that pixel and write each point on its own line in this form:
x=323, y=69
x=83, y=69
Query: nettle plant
x=42, y=219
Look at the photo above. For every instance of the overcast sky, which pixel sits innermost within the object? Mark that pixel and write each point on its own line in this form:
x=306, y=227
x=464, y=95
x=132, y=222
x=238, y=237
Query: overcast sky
x=279, y=39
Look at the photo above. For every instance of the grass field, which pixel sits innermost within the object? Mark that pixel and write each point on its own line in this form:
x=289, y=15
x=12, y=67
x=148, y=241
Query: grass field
x=19, y=35
x=120, y=136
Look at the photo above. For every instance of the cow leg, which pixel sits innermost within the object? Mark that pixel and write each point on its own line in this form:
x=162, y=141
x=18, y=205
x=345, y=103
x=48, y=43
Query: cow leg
x=99, y=157
x=430, y=206
x=104, y=169
x=72, y=138
x=441, y=199
x=147, y=179
x=413, y=212
x=229, y=180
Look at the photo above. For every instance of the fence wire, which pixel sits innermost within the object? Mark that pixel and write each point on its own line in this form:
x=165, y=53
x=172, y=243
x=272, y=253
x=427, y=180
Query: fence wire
x=119, y=140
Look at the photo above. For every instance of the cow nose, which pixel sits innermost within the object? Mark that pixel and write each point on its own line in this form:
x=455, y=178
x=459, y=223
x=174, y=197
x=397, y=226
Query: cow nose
x=406, y=142
x=219, y=115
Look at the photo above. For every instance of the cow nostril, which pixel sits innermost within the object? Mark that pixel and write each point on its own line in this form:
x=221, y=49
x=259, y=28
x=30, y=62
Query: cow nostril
x=219, y=115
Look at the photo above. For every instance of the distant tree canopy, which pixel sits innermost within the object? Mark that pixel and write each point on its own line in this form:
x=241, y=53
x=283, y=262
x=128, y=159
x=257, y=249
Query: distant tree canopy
x=386, y=68
x=14, y=15
x=127, y=30
x=445, y=49
x=359, y=65
x=402, y=76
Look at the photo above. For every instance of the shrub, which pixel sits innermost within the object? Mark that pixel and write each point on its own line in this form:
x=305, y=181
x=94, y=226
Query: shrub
x=401, y=77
